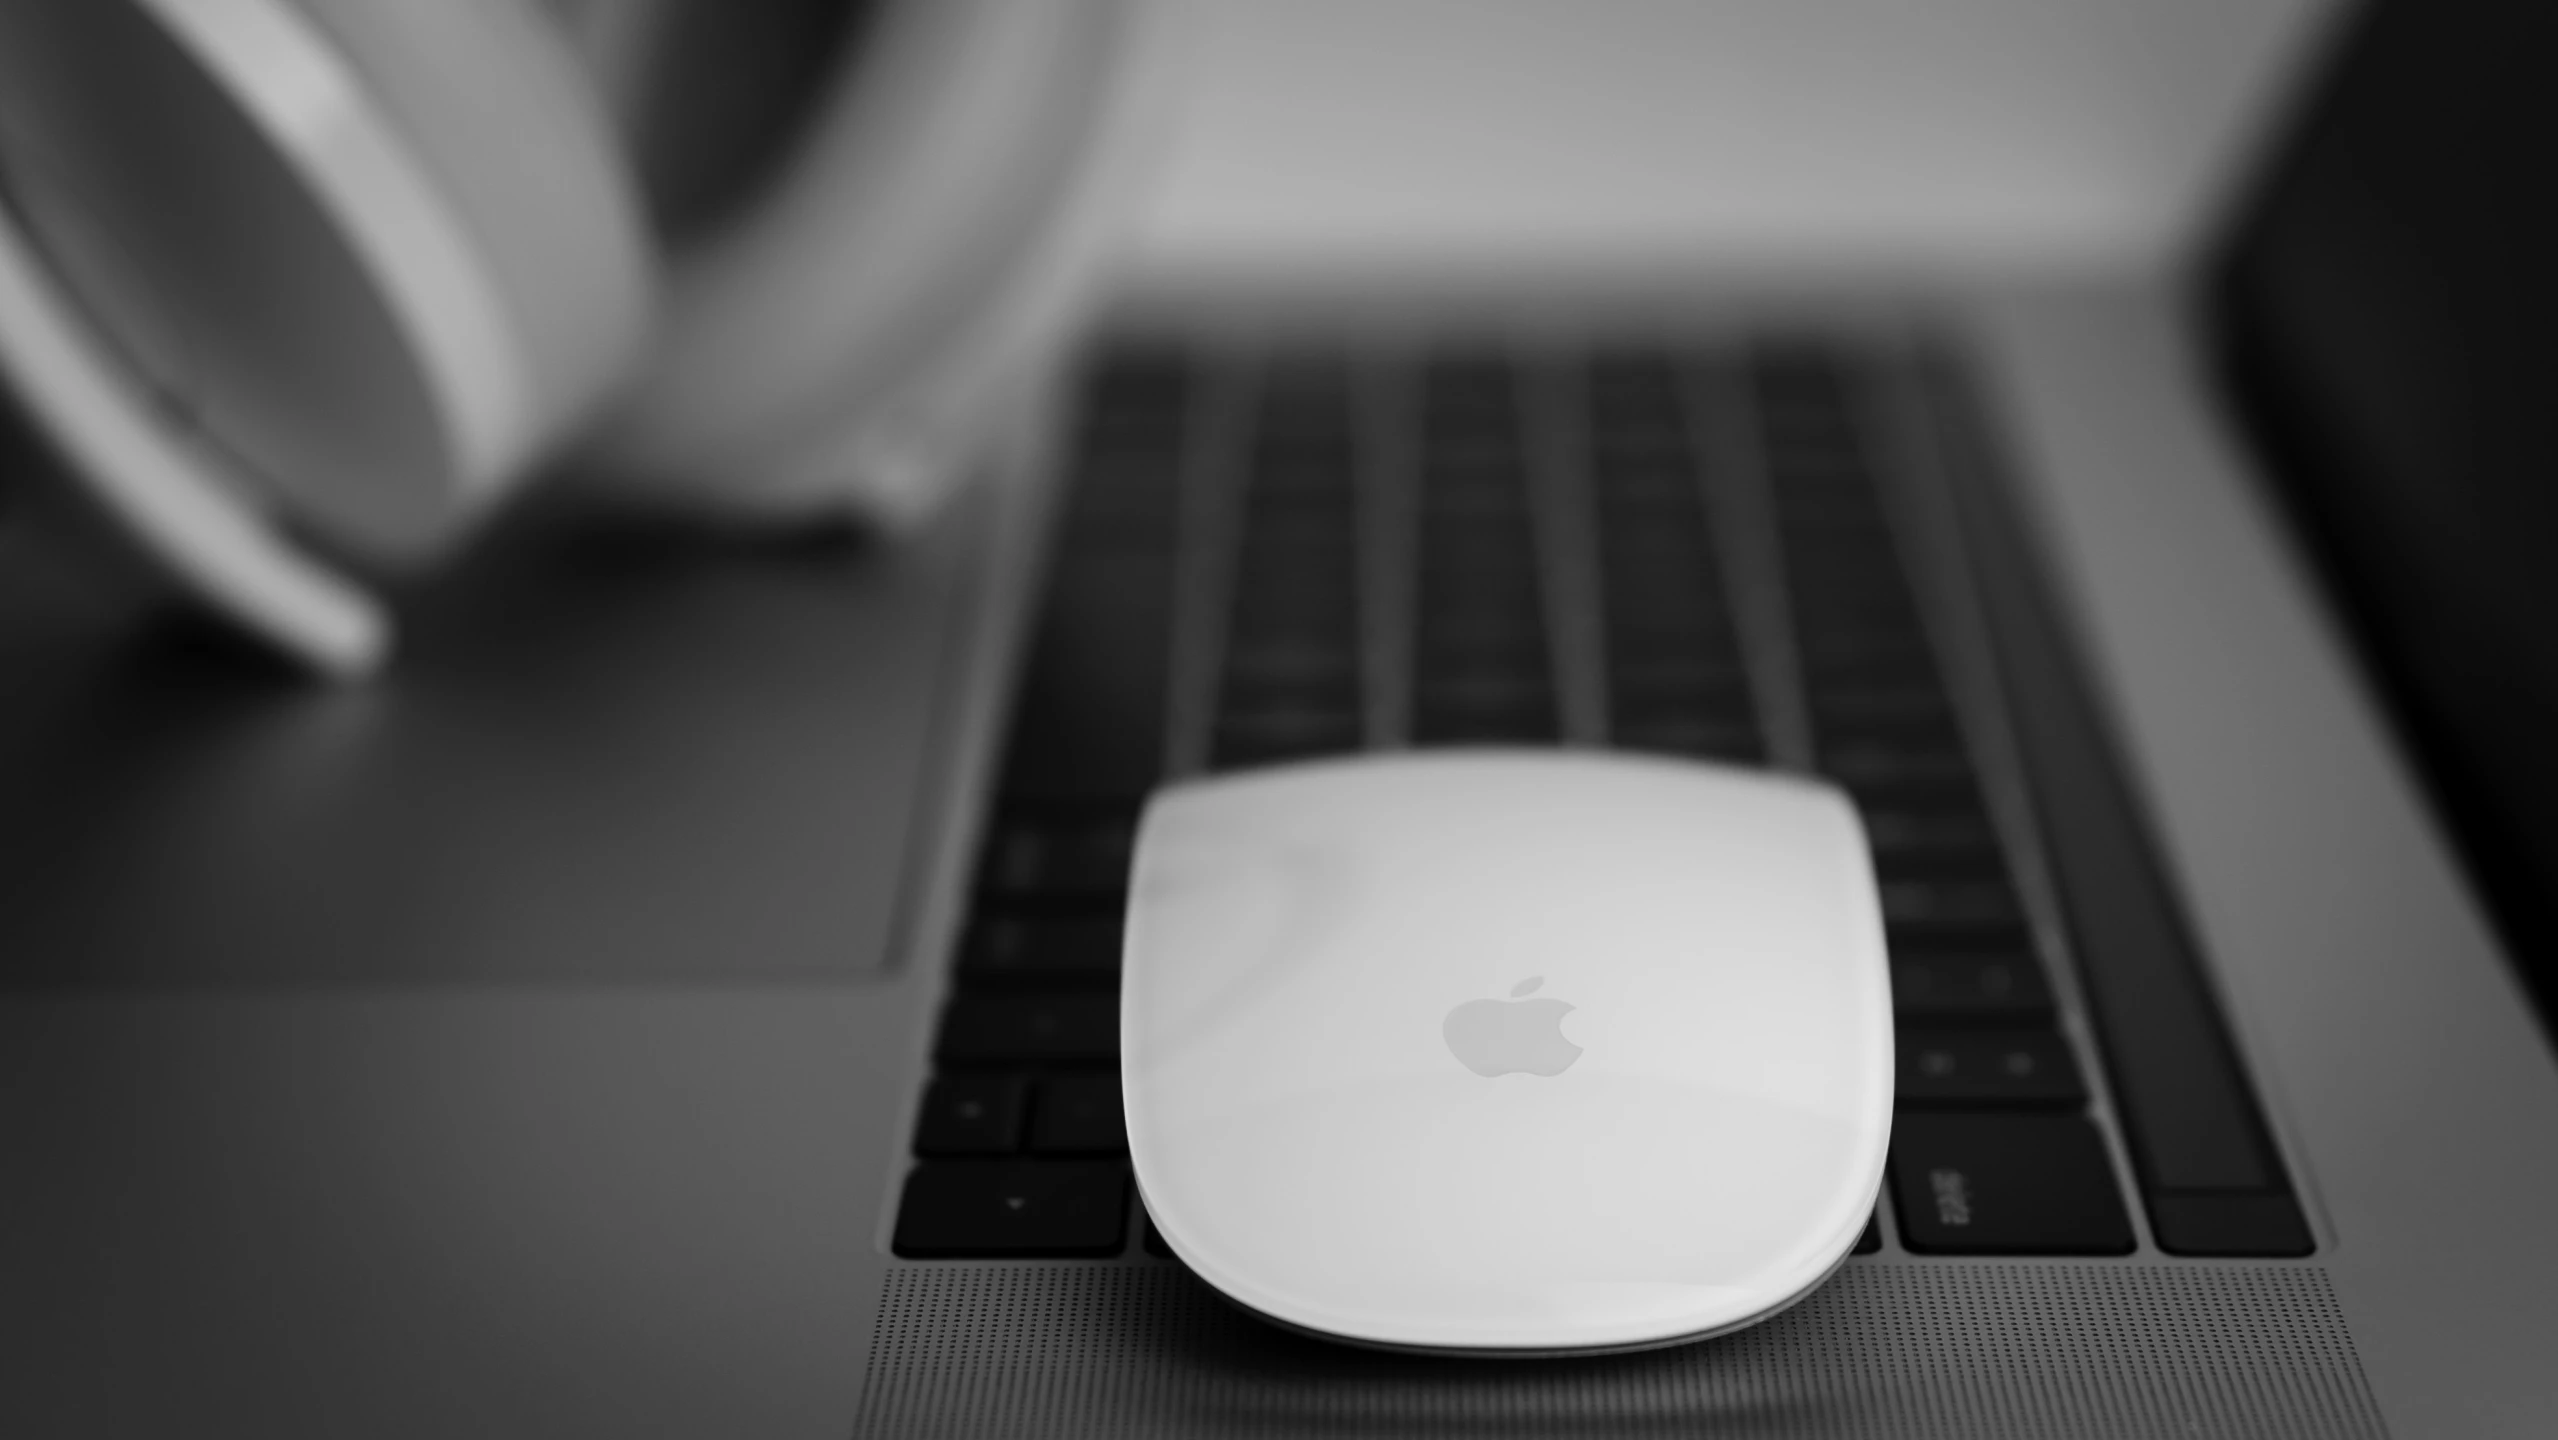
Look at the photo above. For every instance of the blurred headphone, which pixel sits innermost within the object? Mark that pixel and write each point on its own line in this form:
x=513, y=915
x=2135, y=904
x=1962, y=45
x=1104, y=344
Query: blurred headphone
x=298, y=289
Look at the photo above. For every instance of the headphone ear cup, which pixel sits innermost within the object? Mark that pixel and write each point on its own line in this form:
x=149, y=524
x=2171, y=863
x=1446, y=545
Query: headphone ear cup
x=378, y=256
x=930, y=179
x=215, y=194
x=502, y=113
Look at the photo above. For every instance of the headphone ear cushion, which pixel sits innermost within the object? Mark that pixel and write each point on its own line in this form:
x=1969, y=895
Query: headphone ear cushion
x=378, y=255
x=501, y=111
x=926, y=181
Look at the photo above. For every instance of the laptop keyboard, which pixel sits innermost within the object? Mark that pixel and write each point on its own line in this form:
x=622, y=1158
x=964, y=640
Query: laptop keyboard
x=1270, y=556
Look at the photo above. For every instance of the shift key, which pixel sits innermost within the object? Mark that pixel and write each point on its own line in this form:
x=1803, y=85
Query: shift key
x=2006, y=1185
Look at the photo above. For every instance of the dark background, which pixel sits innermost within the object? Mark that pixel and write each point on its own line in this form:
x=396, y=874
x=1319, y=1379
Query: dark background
x=2386, y=310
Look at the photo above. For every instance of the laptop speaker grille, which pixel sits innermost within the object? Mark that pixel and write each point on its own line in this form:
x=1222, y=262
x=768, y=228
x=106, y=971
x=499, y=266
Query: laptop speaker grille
x=1905, y=1351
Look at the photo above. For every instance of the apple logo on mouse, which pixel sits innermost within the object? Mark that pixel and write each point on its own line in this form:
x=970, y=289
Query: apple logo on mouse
x=1502, y=1037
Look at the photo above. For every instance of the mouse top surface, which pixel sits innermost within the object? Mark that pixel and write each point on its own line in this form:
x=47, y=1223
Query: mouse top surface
x=1506, y=1051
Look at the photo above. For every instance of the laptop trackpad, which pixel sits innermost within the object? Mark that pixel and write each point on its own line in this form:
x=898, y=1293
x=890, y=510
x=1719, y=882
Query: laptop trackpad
x=605, y=754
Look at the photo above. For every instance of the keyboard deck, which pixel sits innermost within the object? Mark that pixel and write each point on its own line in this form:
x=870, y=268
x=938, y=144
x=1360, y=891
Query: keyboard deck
x=1270, y=553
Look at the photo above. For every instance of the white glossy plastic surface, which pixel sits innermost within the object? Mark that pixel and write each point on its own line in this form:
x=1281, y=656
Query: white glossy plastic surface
x=1305, y=945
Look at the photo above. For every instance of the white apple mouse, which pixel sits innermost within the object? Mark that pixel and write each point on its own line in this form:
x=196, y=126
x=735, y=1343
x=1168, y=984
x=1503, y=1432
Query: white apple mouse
x=1508, y=1052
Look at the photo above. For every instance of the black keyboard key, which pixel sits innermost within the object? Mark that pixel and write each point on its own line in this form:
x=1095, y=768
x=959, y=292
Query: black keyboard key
x=1012, y=1209
x=1736, y=743
x=1839, y=640
x=1066, y=950
x=1460, y=725
x=1030, y=1029
x=1688, y=679
x=1826, y=669
x=1914, y=937
x=1969, y=988
x=1986, y=1068
x=1078, y=1115
x=1296, y=572
x=1681, y=688
x=971, y=1115
x=1089, y=725
x=2229, y=1224
x=1137, y=375
x=1155, y=1244
x=1871, y=1242
x=1466, y=377
x=1877, y=625
x=1268, y=736
x=1485, y=689
x=1291, y=665
x=1139, y=519
x=1850, y=738
x=1939, y=794
x=1944, y=865
x=1273, y=667
x=1844, y=710
x=1480, y=644
x=1059, y=858
x=1699, y=694
x=1482, y=700
x=1478, y=589
x=1928, y=829
x=2006, y=1185
x=1938, y=905
x=1246, y=691
x=1667, y=635
x=1304, y=610
x=1880, y=767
